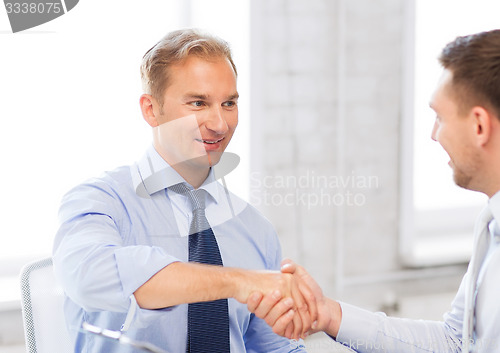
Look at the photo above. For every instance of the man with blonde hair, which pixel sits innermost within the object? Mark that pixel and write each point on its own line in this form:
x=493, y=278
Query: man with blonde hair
x=156, y=248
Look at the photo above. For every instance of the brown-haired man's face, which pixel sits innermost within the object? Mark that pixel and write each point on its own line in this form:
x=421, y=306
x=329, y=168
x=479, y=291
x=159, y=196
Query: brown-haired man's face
x=453, y=130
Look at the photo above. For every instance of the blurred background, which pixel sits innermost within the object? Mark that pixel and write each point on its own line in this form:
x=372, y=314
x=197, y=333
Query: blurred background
x=334, y=135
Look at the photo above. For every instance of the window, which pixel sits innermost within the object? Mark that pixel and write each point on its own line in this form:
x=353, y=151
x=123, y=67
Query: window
x=70, y=91
x=437, y=216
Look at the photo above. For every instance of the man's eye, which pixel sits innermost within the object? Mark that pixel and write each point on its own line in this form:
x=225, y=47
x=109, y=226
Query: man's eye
x=197, y=103
x=229, y=104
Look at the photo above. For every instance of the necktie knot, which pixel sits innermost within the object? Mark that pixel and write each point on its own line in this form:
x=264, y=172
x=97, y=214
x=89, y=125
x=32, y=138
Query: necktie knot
x=196, y=197
x=197, y=201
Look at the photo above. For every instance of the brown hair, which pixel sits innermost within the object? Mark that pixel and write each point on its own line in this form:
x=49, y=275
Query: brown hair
x=174, y=48
x=474, y=61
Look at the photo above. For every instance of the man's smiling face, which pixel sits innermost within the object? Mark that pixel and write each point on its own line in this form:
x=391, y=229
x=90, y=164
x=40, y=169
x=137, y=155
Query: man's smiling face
x=453, y=129
x=199, y=113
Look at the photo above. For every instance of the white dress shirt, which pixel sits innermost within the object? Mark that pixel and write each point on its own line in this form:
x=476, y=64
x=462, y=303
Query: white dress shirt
x=365, y=331
x=121, y=228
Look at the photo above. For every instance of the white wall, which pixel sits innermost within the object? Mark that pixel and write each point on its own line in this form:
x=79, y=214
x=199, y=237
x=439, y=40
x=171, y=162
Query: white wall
x=327, y=87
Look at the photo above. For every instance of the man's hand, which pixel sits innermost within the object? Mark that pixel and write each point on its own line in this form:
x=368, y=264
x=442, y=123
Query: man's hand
x=277, y=311
x=292, y=289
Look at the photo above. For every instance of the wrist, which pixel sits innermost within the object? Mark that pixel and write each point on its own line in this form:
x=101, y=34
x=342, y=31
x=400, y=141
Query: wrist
x=238, y=282
x=334, y=316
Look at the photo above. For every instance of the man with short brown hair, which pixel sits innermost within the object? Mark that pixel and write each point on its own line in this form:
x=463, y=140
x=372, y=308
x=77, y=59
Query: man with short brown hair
x=467, y=126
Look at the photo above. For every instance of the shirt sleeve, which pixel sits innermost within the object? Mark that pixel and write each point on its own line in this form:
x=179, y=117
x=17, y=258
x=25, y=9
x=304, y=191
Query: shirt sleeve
x=96, y=271
x=261, y=338
x=365, y=331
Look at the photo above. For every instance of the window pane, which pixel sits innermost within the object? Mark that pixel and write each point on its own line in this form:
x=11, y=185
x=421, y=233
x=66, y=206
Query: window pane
x=437, y=23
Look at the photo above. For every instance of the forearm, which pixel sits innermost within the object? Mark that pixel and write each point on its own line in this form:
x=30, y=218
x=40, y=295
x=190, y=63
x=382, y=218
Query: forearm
x=180, y=283
x=365, y=332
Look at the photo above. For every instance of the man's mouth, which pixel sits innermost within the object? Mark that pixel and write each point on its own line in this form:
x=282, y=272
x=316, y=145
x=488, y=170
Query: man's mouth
x=210, y=142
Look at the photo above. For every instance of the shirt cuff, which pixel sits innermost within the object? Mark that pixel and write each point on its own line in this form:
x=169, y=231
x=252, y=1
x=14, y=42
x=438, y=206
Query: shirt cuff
x=358, y=327
x=137, y=264
x=138, y=318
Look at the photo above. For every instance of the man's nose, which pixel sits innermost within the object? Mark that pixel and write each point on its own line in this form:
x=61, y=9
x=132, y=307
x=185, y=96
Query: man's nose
x=216, y=121
x=434, y=132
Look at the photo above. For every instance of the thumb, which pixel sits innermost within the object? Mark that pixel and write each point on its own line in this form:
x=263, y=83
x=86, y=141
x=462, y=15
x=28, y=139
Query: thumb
x=288, y=266
x=253, y=301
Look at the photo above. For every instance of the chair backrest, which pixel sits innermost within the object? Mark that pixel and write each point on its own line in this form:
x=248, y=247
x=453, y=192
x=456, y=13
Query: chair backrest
x=42, y=307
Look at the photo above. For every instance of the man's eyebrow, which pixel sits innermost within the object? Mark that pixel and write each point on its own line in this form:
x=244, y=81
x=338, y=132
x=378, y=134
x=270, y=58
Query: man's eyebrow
x=201, y=96
x=234, y=96
x=196, y=96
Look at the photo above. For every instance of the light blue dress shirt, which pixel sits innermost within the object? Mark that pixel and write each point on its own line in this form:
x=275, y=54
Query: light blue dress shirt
x=365, y=331
x=118, y=230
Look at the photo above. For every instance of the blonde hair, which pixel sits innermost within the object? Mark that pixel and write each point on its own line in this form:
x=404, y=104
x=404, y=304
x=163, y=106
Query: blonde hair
x=174, y=48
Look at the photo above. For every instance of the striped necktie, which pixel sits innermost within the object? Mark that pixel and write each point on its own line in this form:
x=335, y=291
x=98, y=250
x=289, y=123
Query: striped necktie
x=481, y=241
x=208, y=322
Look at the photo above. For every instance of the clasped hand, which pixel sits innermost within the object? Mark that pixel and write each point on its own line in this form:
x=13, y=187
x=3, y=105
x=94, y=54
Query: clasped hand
x=292, y=309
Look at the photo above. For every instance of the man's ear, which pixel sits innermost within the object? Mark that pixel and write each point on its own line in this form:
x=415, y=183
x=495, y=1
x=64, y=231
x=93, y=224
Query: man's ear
x=482, y=124
x=147, y=103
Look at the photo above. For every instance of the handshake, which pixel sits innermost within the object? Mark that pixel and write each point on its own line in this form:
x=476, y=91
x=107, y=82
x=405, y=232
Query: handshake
x=292, y=303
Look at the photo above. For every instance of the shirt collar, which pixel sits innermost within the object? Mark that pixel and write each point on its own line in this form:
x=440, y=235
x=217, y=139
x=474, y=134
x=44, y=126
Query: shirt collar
x=494, y=205
x=155, y=174
x=210, y=186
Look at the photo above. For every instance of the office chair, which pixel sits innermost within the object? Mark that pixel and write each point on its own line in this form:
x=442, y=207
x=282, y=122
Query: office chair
x=42, y=307
x=42, y=300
